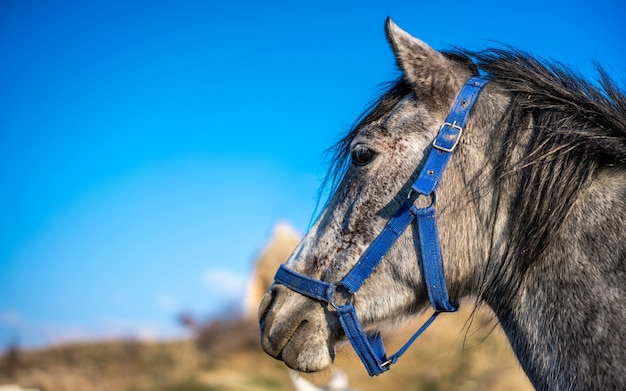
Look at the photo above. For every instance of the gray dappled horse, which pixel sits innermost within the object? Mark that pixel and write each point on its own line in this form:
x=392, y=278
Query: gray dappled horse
x=531, y=216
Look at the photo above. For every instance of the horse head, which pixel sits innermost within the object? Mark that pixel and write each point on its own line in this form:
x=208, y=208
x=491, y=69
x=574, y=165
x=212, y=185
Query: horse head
x=382, y=157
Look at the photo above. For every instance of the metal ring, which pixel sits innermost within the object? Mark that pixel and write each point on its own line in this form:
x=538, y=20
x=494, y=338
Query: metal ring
x=433, y=197
x=347, y=292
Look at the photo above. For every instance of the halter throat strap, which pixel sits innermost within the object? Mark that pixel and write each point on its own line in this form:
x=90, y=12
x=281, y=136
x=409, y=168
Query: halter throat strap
x=369, y=346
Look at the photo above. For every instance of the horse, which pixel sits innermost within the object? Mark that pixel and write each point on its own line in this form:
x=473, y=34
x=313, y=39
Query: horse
x=530, y=218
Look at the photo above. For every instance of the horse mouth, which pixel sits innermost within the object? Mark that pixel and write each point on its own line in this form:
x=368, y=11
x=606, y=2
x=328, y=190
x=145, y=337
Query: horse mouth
x=299, y=341
x=303, y=354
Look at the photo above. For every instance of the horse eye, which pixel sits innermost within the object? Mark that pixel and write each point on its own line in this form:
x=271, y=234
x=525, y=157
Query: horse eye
x=362, y=155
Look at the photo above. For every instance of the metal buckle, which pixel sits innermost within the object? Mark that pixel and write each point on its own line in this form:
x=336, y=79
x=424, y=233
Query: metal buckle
x=452, y=125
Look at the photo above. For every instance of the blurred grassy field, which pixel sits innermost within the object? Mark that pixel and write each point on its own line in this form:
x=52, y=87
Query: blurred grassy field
x=225, y=355
x=449, y=356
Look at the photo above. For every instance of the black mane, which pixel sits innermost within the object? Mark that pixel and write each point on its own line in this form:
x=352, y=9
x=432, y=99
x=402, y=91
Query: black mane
x=578, y=128
x=591, y=114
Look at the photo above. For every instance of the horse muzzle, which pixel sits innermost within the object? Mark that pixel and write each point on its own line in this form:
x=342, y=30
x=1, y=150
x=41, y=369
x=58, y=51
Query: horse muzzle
x=294, y=329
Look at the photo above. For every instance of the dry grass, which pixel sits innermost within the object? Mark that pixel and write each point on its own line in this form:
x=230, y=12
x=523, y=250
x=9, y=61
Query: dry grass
x=226, y=356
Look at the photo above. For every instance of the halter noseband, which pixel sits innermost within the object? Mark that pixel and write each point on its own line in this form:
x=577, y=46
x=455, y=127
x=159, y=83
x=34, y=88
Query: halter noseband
x=370, y=347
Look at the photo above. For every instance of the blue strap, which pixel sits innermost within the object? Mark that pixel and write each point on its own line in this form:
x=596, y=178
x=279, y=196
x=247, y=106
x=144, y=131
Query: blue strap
x=379, y=247
x=394, y=357
x=305, y=285
x=369, y=349
x=432, y=263
x=448, y=137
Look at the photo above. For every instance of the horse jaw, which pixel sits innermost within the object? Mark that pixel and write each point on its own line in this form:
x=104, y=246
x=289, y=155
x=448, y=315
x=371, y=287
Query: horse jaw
x=299, y=336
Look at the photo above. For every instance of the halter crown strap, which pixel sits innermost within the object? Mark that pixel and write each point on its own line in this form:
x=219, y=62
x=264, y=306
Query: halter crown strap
x=370, y=347
x=448, y=137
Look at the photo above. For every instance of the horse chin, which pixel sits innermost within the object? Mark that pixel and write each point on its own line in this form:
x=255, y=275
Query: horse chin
x=305, y=355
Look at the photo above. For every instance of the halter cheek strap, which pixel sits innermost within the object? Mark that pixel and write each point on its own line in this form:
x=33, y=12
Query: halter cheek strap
x=369, y=346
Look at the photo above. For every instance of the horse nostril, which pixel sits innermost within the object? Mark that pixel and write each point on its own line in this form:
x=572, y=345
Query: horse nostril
x=266, y=303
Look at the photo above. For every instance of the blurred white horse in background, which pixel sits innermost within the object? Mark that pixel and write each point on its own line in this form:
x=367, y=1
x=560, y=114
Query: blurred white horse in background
x=338, y=382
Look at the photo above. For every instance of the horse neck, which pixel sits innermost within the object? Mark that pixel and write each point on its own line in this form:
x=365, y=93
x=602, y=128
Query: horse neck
x=566, y=317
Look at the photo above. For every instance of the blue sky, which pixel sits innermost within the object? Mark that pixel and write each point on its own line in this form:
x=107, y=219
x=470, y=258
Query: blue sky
x=147, y=148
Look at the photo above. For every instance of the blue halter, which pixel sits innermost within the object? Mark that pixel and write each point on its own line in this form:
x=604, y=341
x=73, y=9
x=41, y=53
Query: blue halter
x=370, y=347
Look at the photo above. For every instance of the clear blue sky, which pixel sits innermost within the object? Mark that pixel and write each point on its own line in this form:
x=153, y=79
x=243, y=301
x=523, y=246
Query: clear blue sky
x=148, y=147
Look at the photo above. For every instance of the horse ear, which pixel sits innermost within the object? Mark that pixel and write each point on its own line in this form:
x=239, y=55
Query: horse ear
x=432, y=75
